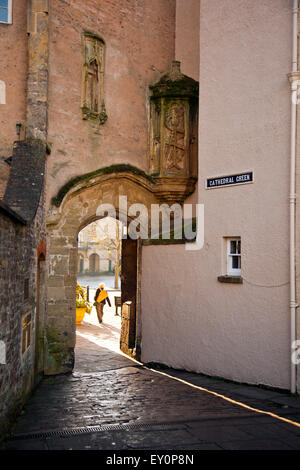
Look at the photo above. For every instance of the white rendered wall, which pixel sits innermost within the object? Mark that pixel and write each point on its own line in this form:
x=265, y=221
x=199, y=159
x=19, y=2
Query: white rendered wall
x=187, y=40
x=189, y=319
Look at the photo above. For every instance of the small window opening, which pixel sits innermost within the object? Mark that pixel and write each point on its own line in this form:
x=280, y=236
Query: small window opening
x=6, y=11
x=26, y=332
x=234, y=256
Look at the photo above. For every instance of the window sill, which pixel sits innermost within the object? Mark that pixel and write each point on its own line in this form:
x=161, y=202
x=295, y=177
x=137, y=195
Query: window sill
x=231, y=279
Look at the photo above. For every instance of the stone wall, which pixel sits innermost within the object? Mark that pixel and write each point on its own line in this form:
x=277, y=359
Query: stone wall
x=23, y=69
x=18, y=261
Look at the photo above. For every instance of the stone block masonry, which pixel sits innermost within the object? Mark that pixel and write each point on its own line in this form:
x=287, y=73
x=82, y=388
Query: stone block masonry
x=18, y=273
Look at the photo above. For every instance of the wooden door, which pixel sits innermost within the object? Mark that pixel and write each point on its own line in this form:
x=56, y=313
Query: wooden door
x=129, y=294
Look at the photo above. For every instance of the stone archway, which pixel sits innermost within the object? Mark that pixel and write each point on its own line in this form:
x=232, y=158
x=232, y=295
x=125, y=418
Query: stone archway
x=77, y=209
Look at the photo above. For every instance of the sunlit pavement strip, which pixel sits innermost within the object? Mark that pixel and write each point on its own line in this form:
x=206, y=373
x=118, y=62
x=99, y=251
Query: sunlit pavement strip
x=134, y=417
x=113, y=346
x=223, y=397
x=110, y=342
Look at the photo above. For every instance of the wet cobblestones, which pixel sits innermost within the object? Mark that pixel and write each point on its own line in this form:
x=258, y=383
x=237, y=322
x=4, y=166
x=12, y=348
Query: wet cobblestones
x=157, y=412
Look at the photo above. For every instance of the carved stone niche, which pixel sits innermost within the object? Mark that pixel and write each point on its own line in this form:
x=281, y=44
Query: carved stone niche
x=173, y=159
x=92, y=104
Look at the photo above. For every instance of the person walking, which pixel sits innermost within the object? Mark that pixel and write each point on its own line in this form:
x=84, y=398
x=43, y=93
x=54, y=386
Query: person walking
x=101, y=297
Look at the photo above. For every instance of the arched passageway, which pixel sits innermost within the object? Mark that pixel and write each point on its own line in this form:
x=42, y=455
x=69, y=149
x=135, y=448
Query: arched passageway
x=98, y=326
x=79, y=207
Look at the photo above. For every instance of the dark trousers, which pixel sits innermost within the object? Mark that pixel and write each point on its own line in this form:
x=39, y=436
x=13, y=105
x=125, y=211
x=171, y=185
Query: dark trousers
x=99, y=308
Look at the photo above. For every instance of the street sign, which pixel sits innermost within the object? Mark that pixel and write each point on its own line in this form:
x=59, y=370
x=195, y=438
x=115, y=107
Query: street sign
x=240, y=178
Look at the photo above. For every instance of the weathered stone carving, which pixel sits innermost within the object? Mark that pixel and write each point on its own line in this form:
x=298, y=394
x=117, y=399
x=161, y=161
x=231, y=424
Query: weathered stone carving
x=173, y=153
x=93, y=106
x=175, y=142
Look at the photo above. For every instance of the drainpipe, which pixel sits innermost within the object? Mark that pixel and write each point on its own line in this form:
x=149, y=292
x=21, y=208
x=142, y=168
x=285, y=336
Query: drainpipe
x=294, y=78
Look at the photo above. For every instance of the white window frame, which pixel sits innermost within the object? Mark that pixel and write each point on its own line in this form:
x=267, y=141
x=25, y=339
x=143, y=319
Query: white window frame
x=9, y=13
x=230, y=270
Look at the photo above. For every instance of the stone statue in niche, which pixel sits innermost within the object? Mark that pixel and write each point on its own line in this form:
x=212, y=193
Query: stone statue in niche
x=93, y=106
x=175, y=148
x=173, y=130
x=92, y=87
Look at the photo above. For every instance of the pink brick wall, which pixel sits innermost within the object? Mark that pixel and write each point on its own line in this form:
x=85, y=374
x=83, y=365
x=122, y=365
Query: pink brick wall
x=13, y=69
x=139, y=37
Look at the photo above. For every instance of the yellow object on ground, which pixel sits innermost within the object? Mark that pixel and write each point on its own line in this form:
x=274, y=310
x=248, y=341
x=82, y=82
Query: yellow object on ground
x=80, y=312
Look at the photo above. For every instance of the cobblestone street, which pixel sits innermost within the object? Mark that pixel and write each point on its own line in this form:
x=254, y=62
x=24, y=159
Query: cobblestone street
x=111, y=402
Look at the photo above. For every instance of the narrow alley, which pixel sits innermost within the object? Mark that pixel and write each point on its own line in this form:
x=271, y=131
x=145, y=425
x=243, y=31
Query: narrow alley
x=111, y=402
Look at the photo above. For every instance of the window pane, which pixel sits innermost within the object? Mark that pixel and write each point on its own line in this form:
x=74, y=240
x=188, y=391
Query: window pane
x=233, y=247
x=3, y=15
x=239, y=247
x=4, y=3
x=236, y=262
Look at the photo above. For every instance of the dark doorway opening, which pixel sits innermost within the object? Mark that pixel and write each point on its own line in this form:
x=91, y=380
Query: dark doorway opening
x=129, y=277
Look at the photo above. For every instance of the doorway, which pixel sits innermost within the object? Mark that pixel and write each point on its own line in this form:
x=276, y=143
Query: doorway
x=94, y=264
x=129, y=277
x=118, y=274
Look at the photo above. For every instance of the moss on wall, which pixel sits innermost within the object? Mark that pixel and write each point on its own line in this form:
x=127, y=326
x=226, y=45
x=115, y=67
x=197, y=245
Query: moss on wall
x=184, y=87
x=57, y=200
x=59, y=358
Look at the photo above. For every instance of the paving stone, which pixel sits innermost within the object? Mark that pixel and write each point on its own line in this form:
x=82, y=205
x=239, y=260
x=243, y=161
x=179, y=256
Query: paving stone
x=155, y=412
x=263, y=444
x=219, y=433
x=289, y=401
x=26, y=445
